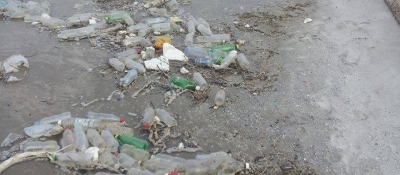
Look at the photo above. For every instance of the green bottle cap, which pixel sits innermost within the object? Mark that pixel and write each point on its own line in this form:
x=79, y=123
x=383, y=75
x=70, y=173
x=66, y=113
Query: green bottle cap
x=53, y=158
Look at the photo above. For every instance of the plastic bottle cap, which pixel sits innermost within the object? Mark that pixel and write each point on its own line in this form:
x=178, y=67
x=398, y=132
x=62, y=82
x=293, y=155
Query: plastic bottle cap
x=122, y=120
x=53, y=158
x=59, y=122
x=119, y=148
x=147, y=126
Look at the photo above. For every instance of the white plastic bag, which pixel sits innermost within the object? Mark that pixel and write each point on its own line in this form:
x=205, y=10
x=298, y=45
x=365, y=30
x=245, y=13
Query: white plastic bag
x=160, y=63
x=12, y=63
x=172, y=53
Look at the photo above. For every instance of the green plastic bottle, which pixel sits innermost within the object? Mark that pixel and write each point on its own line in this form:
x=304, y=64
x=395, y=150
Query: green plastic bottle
x=184, y=83
x=116, y=17
x=136, y=142
x=225, y=47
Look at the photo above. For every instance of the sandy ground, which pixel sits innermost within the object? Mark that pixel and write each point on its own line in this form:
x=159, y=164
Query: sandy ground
x=321, y=97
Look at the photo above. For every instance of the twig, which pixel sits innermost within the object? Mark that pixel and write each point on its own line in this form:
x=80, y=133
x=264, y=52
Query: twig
x=89, y=103
x=141, y=89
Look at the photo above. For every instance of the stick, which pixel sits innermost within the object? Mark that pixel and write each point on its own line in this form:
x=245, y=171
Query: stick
x=141, y=89
x=21, y=158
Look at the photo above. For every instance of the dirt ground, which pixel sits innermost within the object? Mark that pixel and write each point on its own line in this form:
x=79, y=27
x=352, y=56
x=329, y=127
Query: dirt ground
x=320, y=97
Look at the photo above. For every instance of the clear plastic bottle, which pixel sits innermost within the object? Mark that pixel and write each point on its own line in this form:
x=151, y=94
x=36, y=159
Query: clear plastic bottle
x=150, y=52
x=148, y=118
x=137, y=171
x=32, y=18
x=243, y=62
x=16, y=9
x=127, y=161
x=136, y=153
x=191, y=27
x=47, y=146
x=112, y=143
x=95, y=139
x=175, y=27
x=204, y=22
x=161, y=27
x=168, y=158
x=103, y=173
x=74, y=158
x=201, y=62
x=107, y=158
x=54, y=118
x=204, y=30
x=47, y=130
x=105, y=117
x=151, y=21
x=196, y=52
x=68, y=140
x=212, y=155
x=166, y=118
x=135, y=41
x=194, y=20
x=129, y=77
x=79, y=32
x=135, y=28
x=220, y=97
x=214, y=38
x=116, y=64
x=117, y=129
x=52, y=22
x=172, y=5
x=189, y=39
x=130, y=64
x=229, y=59
x=158, y=12
x=78, y=20
x=81, y=139
x=127, y=53
x=159, y=167
x=128, y=19
x=144, y=31
x=200, y=81
x=85, y=122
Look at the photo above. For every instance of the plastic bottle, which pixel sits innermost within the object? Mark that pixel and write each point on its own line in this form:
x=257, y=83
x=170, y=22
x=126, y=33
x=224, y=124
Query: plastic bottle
x=79, y=32
x=200, y=81
x=158, y=12
x=243, y=62
x=117, y=129
x=135, y=41
x=136, y=153
x=144, y=31
x=116, y=17
x=112, y=143
x=204, y=30
x=103, y=173
x=35, y=8
x=135, y=28
x=161, y=27
x=175, y=27
x=127, y=162
x=189, y=39
x=129, y=77
x=137, y=171
x=157, y=20
x=191, y=27
x=224, y=48
x=159, y=167
x=196, y=52
x=85, y=122
x=51, y=22
x=214, y=38
x=108, y=159
x=166, y=118
x=184, y=83
x=168, y=158
x=127, y=53
x=74, y=158
x=78, y=20
x=116, y=64
x=95, y=139
x=47, y=130
x=47, y=146
x=32, y=18
x=15, y=9
x=212, y=155
x=148, y=118
x=3, y=5
x=194, y=20
x=128, y=19
x=81, y=139
x=150, y=52
x=130, y=64
x=220, y=97
x=154, y=3
x=201, y=62
x=138, y=143
x=229, y=59
x=172, y=5
x=54, y=118
x=204, y=22
x=105, y=117
x=68, y=140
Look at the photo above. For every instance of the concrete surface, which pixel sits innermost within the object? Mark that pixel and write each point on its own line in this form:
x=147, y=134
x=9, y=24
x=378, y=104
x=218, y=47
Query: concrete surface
x=394, y=6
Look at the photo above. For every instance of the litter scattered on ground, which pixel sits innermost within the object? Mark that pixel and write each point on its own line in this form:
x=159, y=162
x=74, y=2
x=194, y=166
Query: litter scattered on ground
x=307, y=20
x=13, y=63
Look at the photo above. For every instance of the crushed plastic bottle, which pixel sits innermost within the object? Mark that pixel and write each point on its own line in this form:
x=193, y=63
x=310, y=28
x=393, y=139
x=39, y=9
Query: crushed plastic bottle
x=79, y=20
x=224, y=48
x=129, y=77
x=130, y=64
x=105, y=117
x=116, y=64
x=166, y=118
x=243, y=62
x=184, y=83
x=74, y=159
x=112, y=143
x=214, y=38
x=68, y=140
x=158, y=12
x=116, y=129
x=54, y=119
x=81, y=139
x=138, y=143
x=85, y=122
x=191, y=27
x=189, y=39
x=46, y=130
x=220, y=97
x=47, y=146
x=95, y=139
x=164, y=27
x=212, y=155
x=200, y=81
x=148, y=118
x=127, y=161
x=136, y=153
x=136, y=41
x=51, y=22
x=107, y=158
x=172, y=5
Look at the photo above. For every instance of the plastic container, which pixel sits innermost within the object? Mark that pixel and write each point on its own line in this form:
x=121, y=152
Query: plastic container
x=224, y=48
x=212, y=155
x=201, y=62
x=112, y=143
x=138, y=143
x=136, y=153
x=189, y=39
x=166, y=118
x=68, y=140
x=171, y=159
x=243, y=62
x=129, y=77
x=54, y=118
x=148, y=118
x=175, y=27
x=85, y=122
x=135, y=28
x=151, y=21
x=158, y=12
x=47, y=146
x=220, y=97
x=127, y=161
x=159, y=167
x=172, y=5
x=127, y=53
x=136, y=41
x=15, y=9
x=164, y=27
x=78, y=20
x=116, y=64
x=95, y=139
x=116, y=129
x=105, y=117
x=204, y=22
x=35, y=8
x=47, y=130
x=196, y=52
x=191, y=27
x=53, y=23
x=79, y=32
x=194, y=20
x=74, y=158
x=200, y=81
x=144, y=31
x=137, y=171
x=128, y=19
x=81, y=139
x=229, y=59
x=32, y=18
x=204, y=30
x=184, y=83
x=130, y=64
x=214, y=38
x=108, y=159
